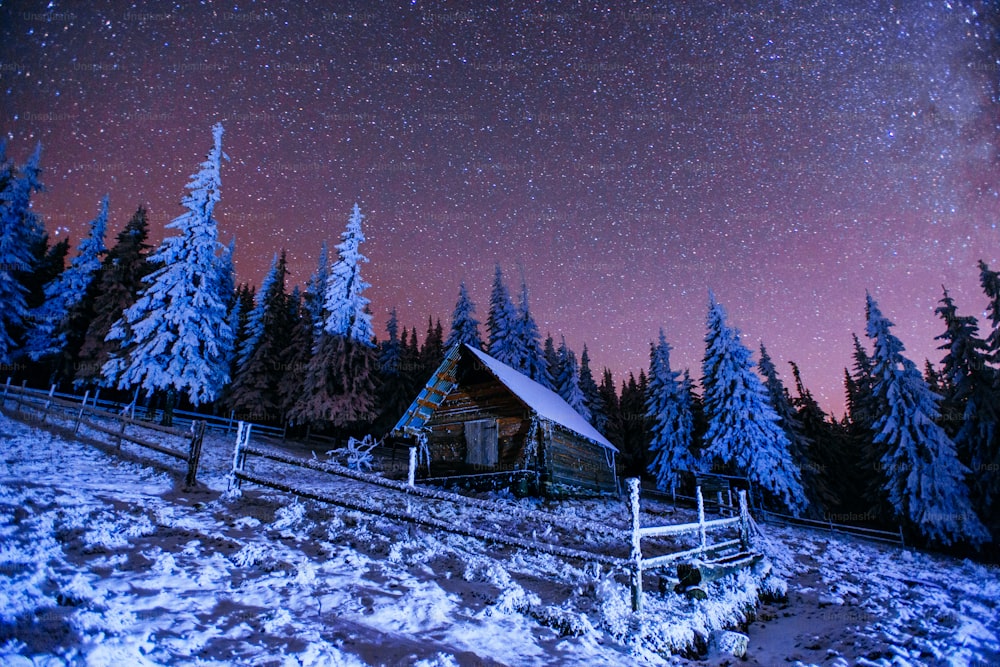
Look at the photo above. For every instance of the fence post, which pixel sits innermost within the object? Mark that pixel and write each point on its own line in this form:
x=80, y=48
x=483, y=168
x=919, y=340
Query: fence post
x=20, y=395
x=48, y=403
x=121, y=431
x=411, y=475
x=6, y=388
x=744, y=521
x=902, y=540
x=701, y=521
x=636, y=552
x=79, y=416
x=239, y=456
x=194, y=454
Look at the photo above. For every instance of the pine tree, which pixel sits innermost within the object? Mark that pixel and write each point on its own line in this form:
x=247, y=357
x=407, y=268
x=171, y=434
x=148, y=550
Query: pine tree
x=464, y=325
x=50, y=326
x=394, y=386
x=176, y=337
x=255, y=391
x=743, y=429
x=971, y=404
x=799, y=444
x=924, y=478
x=990, y=281
x=567, y=381
x=504, y=344
x=551, y=356
x=668, y=410
x=613, y=427
x=588, y=386
x=829, y=474
x=115, y=289
x=20, y=232
x=316, y=289
x=432, y=353
x=532, y=362
x=345, y=304
x=635, y=429
x=339, y=381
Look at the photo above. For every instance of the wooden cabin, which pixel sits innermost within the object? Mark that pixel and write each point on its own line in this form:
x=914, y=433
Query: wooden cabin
x=483, y=421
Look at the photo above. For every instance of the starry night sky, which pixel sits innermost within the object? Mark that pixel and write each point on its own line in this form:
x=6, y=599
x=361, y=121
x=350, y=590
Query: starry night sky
x=627, y=159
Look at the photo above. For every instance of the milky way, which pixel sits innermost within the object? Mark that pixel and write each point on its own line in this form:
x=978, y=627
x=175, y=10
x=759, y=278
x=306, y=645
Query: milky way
x=788, y=156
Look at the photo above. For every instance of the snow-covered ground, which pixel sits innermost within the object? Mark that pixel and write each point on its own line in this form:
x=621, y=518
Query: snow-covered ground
x=106, y=560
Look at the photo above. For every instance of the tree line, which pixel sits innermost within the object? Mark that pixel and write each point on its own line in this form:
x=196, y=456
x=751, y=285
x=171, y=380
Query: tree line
x=169, y=326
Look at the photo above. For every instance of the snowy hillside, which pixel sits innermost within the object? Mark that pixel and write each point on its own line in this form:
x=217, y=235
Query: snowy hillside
x=104, y=560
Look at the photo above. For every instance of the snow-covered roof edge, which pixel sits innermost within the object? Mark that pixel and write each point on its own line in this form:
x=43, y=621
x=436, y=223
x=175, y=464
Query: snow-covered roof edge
x=545, y=402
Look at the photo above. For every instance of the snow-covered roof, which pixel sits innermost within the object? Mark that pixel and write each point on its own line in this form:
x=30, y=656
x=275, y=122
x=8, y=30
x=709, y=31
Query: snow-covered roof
x=544, y=402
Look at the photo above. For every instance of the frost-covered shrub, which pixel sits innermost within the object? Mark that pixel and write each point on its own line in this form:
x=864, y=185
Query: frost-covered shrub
x=255, y=555
x=289, y=516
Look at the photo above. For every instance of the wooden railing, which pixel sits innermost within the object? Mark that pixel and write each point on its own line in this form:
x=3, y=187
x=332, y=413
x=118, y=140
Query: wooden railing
x=702, y=528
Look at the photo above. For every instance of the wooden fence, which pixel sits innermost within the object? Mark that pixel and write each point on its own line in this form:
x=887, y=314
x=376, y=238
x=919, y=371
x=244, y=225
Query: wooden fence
x=43, y=404
x=635, y=564
x=181, y=418
x=702, y=528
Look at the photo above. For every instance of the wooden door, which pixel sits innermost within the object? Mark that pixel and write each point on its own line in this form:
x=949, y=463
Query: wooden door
x=481, y=442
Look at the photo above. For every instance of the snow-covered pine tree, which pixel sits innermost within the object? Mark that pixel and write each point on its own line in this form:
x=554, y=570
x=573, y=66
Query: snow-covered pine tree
x=176, y=336
x=971, y=403
x=48, y=331
x=316, y=289
x=20, y=231
x=923, y=477
x=668, y=411
x=504, y=343
x=339, y=381
x=799, y=444
x=532, y=361
x=743, y=428
x=567, y=380
x=345, y=304
x=464, y=325
x=254, y=392
x=115, y=289
x=551, y=357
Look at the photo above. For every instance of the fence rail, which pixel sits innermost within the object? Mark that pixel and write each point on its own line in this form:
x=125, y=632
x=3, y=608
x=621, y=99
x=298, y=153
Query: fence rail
x=43, y=402
x=635, y=563
x=702, y=528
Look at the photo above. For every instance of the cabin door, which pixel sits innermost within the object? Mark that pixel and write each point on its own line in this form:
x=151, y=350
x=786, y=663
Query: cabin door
x=481, y=442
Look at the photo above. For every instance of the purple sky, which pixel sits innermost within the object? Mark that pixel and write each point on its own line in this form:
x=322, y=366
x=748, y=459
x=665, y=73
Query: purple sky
x=787, y=155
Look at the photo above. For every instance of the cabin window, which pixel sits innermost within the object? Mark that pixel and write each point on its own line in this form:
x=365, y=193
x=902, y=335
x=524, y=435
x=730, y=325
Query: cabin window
x=481, y=442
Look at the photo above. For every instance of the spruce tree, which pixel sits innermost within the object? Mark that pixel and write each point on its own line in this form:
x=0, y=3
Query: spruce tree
x=464, y=325
x=828, y=473
x=504, y=343
x=970, y=405
x=395, y=392
x=567, y=381
x=551, y=356
x=532, y=362
x=50, y=323
x=612, y=427
x=990, y=282
x=668, y=411
x=432, y=353
x=115, y=289
x=346, y=307
x=176, y=337
x=339, y=383
x=799, y=444
x=743, y=430
x=923, y=477
x=255, y=392
x=589, y=388
x=20, y=232
x=635, y=430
